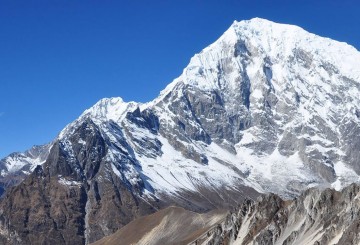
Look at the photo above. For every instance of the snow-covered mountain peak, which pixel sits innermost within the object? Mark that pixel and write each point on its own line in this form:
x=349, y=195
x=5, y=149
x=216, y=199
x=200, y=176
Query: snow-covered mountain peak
x=265, y=108
x=21, y=164
x=262, y=101
x=264, y=90
x=280, y=41
x=256, y=45
x=260, y=28
x=271, y=43
x=263, y=94
x=114, y=109
x=105, y=110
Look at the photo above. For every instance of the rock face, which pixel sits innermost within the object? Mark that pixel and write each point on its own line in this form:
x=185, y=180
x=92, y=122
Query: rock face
x=73, y=198
x=315, y=217
x=266, y=108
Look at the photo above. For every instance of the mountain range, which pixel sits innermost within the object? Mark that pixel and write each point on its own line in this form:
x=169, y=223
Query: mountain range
x=266, y=108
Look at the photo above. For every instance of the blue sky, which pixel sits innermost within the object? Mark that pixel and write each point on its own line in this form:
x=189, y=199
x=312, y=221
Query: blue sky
x=58, y=57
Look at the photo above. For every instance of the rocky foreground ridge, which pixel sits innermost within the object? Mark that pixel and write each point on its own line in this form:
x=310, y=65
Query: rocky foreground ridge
x=319, y=217
x=316, y=217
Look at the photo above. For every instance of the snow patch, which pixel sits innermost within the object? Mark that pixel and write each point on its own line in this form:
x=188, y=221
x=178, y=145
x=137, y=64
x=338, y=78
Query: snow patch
x=69, y=183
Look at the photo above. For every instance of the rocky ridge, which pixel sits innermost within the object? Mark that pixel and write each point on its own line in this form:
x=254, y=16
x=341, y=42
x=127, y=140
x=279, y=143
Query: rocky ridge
x=320, y=217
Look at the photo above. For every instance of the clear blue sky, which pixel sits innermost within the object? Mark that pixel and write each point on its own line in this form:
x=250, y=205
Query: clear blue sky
x=58, y=57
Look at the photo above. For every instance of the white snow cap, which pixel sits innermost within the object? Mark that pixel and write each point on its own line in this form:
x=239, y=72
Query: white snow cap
x=265, y=38
x=110, y=109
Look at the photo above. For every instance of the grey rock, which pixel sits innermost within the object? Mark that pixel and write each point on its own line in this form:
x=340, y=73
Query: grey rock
x=315, y=217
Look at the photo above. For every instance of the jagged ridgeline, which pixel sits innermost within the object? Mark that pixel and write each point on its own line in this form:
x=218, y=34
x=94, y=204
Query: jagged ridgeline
x=266, y=108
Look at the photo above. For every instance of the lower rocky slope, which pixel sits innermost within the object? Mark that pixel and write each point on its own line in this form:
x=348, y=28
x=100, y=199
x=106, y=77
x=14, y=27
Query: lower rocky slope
x=316, y=217
x=319, y=217
x=172, y=225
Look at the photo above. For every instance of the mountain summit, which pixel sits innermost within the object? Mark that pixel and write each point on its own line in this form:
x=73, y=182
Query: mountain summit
x=266, y=108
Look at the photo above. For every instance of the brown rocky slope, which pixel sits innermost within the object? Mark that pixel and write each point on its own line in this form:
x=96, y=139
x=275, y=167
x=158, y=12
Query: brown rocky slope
x=317, y=217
